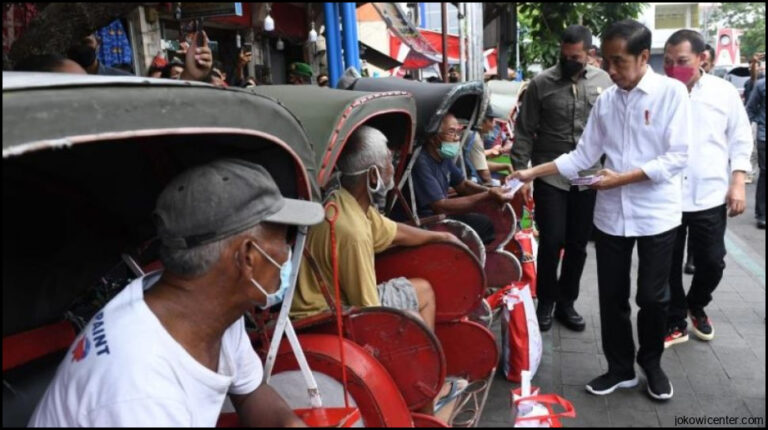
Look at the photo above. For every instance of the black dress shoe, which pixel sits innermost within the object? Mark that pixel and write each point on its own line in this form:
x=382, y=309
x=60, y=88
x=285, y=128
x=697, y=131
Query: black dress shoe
x=568, y=316
x=544, y=315
x=689, y=268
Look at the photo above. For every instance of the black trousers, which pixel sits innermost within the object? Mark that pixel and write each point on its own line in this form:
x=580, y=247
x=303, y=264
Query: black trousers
x=564, y=219
x=706, y=237
x=480, y=223
x=760, y=196
x=614, y=262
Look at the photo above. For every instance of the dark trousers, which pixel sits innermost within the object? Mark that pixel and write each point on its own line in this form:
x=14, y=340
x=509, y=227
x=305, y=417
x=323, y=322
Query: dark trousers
x=614, y=262
x=706, y=239
x=564, y=219
x=760, y=197
x=480, y=223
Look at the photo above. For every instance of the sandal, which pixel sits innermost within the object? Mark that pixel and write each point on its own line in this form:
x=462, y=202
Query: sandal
x=458, y=385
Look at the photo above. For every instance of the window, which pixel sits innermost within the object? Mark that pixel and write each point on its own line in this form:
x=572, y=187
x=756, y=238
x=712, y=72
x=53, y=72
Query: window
x=675, y=16
x=434, y=19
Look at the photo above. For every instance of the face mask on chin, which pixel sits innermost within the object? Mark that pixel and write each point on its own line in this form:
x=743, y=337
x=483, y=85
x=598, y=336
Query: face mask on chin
x=377, y=195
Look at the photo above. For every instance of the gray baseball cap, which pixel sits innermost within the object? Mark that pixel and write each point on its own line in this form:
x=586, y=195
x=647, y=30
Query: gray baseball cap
x=220, y=199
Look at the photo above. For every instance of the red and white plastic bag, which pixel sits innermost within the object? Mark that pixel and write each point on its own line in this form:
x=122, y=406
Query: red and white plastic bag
x=535, y=410
x=520, y=335
x=529, y=247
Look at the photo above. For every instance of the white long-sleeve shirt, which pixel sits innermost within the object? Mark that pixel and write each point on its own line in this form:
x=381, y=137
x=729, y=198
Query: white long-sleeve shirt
x=648, y=127
x=721, y=133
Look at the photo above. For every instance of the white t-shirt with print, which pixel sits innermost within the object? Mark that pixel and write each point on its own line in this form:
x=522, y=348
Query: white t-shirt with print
x=125, y=369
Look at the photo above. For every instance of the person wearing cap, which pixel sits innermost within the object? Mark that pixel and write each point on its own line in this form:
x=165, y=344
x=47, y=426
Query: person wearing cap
x=435, y=171
x=553, y=115
x=168, y=349
x=299, y=73
x=479, y=166
x=367, y=175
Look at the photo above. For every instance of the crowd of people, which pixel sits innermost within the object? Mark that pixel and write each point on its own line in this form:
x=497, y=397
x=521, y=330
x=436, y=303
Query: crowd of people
x=669, y=156
x=187, y=64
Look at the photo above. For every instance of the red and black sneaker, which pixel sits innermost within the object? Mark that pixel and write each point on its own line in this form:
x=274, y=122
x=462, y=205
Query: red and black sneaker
x=702, y=325
x=674, y=336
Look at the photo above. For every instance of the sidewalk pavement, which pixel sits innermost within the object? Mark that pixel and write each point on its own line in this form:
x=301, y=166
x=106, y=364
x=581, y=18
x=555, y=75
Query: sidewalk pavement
x=724, y=377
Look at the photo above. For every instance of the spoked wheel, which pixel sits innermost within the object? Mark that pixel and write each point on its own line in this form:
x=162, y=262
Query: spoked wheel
x=470, y=352
x=373, y=390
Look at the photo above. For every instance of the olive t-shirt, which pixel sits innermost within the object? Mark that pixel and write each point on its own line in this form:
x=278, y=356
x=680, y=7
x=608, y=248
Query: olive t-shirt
x=359, y=235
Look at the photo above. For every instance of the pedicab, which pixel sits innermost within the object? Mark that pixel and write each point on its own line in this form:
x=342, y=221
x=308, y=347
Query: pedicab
x=84, y=159
x=416, y=359
x=467, y=101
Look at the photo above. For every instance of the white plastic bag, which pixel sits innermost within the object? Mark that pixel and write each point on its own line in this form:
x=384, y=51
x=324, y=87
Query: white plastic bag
x=520, y=335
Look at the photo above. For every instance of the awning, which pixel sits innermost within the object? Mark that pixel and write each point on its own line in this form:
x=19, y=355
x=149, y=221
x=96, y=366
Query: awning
x=400, y=50
x=377, y=58
x=416, y=52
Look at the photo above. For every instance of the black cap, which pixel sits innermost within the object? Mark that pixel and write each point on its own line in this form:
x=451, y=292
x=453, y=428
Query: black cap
x=221, y=199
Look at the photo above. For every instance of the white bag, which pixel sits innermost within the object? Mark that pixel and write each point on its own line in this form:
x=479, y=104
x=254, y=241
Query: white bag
x=520, y=335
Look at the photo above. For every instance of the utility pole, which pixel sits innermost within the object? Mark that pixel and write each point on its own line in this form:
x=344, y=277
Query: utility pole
x=444, y=16
x=462, y=42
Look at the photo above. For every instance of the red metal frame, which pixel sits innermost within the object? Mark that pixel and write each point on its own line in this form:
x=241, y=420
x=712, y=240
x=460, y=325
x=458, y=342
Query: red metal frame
x=501, y=268
x=470, y=349
x=376, y=394
x=455, y=274
x=395, y=337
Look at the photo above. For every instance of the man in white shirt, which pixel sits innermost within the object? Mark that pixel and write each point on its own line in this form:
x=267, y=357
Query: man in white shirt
x=642, y=125
x=713, y=182
x=167, y=350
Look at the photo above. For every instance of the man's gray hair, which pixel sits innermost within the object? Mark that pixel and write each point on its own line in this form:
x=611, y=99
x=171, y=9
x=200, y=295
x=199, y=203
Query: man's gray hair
x=198, y=260
x=366, y=147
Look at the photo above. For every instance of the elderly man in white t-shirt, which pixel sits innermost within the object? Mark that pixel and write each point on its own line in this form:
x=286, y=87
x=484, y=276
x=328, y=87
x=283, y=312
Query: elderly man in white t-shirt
x=168, y=349
x=713, y=183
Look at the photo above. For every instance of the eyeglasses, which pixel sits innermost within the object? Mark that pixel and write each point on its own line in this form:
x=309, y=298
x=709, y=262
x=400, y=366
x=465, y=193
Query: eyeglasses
x=451, y=132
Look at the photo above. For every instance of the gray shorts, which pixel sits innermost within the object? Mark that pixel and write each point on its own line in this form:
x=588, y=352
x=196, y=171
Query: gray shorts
x=398, y=293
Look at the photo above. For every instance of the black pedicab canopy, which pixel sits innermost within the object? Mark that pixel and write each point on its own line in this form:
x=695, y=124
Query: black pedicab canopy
x=85, y=157
x=330, y=116
x=433, y=100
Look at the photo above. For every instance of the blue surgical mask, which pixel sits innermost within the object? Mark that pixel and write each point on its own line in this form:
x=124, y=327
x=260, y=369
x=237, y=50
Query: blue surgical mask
x=285, y=280
x=449, y=150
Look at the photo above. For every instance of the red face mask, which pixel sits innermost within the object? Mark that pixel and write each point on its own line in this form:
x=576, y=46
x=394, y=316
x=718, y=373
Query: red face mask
x=681, y=73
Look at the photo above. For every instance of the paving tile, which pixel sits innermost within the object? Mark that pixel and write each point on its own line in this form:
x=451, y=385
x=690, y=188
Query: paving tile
x=710, y=383
x=630, y=398
x=756, y=407
x=749, y=387
x=633, y=418
x=680, y=404
x=586, y=417
x=739, y=362
x=587, y=345
x=722, y=405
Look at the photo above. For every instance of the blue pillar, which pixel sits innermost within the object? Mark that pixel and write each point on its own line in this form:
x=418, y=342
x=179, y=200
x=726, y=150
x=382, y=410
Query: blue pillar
x=332, y=42
x=349, y=40
x=423, y=15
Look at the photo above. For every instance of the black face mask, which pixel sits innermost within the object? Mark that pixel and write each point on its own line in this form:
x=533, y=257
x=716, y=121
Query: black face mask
x=570, y=67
